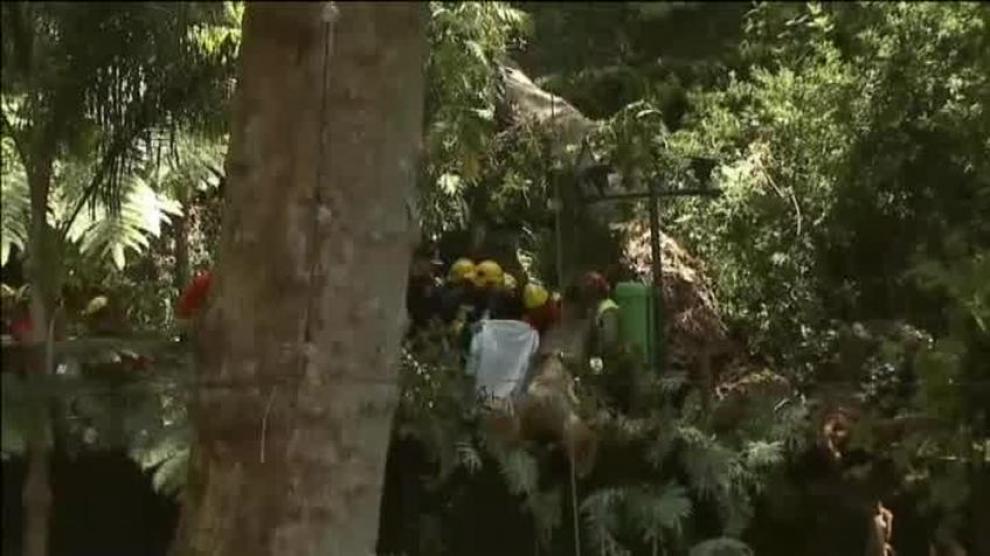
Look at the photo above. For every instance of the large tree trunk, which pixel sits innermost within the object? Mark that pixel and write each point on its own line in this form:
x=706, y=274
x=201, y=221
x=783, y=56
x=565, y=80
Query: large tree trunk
x=43, y=272
x=300, y=343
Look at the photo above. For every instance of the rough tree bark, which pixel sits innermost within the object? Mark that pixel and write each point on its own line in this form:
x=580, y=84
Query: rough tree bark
x=299, y=345
x=42, y=272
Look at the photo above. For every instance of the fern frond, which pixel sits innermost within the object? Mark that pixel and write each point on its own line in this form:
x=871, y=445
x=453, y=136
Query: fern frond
x=654, y=513
x=109, y=234
x=722, y=546
x=170, y=476
x=520, y=471
x=601, y=510
x=707, y=462
x=468, y=456
x=761, y=454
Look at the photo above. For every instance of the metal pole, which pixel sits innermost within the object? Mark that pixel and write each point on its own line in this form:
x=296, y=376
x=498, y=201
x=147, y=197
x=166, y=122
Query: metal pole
x=685, y=192
x=558, y=203
x=558, y=231
x=657, y=268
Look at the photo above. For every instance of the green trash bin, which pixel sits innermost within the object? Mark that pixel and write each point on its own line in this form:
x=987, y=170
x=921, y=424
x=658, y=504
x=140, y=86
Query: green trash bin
x=635, y=311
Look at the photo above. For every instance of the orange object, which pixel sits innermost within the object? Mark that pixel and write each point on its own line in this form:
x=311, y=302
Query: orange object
x=194, y=296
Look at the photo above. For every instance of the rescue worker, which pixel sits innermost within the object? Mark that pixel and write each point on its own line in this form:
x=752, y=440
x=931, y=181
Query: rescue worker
x=594, y=291
x=192, y=302
x=457, y=291
x=542, y=310
x=488, y=280
x=423, y=298
x=508, y=302
x=194, y=297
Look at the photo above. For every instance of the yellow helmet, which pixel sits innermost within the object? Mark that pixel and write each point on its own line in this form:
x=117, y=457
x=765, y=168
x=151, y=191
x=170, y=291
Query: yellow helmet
x=535, y=295
x=487, y=274
x=509, y=282
x=461, y=270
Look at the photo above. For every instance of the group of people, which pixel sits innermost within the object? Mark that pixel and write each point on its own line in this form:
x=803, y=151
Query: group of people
x=471, y=293
x=498, y=320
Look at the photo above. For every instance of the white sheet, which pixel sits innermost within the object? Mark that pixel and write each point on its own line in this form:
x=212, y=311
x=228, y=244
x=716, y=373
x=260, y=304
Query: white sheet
x=500, y=355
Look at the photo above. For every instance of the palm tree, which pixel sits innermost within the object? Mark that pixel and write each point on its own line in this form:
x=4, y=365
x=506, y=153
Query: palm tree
x=93, y=83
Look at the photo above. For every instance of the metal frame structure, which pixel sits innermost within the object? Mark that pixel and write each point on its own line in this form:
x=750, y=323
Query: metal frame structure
x=653, y=194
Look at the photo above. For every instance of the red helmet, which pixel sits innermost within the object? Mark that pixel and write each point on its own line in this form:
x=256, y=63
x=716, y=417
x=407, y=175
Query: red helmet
x=595, y=284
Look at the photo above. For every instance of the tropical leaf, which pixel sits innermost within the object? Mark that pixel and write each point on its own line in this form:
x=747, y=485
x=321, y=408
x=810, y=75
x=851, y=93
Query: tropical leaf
x=103, y=232
x=16, y=205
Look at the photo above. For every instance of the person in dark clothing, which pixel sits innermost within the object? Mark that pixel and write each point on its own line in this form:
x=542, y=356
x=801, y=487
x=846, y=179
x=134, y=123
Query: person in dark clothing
x=506, y=305
x=458, y=296
x=423, y=297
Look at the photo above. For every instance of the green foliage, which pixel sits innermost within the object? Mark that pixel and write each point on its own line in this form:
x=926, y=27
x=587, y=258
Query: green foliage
x=848, y=124
x=99, y=80
x=100, y=232
x=15, y=210
x=621, y=513
x=468, y=41
x=104, y=401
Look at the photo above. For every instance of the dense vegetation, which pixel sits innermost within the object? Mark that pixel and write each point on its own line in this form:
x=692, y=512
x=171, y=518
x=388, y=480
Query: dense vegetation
x=849, y=254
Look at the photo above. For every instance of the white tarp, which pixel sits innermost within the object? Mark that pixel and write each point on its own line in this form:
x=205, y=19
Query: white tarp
x=500, y=356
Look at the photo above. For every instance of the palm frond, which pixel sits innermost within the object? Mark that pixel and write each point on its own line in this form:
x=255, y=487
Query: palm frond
x=103, y=77
x=15, y=209
x=520, y=471
x=105, y=233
